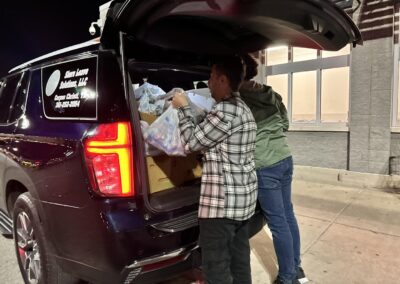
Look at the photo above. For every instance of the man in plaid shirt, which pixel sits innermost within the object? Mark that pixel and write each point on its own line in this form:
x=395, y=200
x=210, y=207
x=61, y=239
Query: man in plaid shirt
x=229, y=181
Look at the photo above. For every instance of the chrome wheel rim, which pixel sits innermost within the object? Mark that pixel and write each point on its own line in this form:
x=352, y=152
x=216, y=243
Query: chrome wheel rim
x=28, y=249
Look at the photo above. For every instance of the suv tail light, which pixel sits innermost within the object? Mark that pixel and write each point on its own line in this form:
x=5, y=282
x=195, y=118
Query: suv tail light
x=109, y=158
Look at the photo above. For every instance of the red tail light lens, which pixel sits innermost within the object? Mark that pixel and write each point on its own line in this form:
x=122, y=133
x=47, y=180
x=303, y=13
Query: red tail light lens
x=110, y=160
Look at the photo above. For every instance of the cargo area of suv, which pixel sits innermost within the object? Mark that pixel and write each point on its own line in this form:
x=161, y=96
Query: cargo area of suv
x=173, y=181
x=74, y=165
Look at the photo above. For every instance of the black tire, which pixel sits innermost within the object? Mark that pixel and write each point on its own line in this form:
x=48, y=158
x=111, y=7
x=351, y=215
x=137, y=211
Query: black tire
x=35, y=260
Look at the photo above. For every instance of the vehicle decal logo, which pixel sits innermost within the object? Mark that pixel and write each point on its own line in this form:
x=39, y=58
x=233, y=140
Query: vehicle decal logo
x=52, y=82
x=69, y=89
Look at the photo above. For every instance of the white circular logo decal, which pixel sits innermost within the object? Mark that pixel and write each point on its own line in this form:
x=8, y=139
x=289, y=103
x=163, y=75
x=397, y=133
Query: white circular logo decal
x=52, y=82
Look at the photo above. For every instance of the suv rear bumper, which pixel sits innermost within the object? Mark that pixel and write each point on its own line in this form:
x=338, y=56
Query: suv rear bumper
x=106, y=241
x=190, y=258
x=162, y=267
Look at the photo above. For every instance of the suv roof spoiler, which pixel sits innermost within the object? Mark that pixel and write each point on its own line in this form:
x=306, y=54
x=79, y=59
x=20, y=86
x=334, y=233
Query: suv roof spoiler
x=57, y=52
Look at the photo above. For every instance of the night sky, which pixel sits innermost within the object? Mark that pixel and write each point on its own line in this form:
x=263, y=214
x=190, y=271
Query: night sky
x=33, y=28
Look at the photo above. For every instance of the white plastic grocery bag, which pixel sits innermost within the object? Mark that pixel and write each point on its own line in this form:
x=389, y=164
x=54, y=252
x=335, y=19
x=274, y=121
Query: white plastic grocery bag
x=200, y=101
x=153, y=91
x=164, y=133
x=149, y=149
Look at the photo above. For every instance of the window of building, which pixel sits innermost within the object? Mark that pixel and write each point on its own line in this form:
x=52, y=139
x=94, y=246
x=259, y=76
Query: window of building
x=304, y=96
x=396, y=91
x=277, y=55
x=395, y=125
x=335, y=94
x=303, y=54
x=314, y=85
x=344, y=51
x=397, y=119
x=280, y=85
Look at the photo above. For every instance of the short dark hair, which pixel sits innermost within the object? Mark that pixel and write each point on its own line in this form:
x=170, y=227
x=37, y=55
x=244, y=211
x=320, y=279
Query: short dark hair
x=251, y=66
x=233, y=68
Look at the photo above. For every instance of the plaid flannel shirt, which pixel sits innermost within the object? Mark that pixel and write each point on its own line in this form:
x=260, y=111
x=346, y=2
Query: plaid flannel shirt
x=227, y=139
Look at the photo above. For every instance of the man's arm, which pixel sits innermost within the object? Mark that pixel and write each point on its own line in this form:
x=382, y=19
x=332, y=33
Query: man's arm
x=213, y=129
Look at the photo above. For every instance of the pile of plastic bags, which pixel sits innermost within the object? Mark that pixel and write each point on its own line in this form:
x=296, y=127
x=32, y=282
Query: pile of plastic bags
x=151, y=98
x=163, y=135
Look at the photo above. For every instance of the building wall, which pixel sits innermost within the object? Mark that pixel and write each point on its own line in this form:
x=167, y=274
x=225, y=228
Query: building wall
x=319, y=149
x=394, y=164
x=369, y=145
x=395, y=145
x=370, y=106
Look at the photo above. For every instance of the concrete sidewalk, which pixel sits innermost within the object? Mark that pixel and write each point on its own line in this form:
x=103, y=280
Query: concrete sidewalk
x=349, y=235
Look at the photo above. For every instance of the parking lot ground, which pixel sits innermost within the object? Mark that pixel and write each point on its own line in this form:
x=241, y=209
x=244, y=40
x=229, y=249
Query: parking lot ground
x=349, y=235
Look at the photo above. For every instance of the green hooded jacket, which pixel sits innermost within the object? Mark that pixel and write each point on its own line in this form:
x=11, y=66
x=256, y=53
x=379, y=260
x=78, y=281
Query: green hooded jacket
x=271, y=117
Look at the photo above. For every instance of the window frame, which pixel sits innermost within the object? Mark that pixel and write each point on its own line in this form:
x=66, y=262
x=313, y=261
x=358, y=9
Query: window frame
x=318, y=64
x=395, y=127
x=394, y=115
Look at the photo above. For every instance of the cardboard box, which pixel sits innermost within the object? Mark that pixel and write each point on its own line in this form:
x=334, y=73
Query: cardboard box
x=167, y=172
x=149, y=118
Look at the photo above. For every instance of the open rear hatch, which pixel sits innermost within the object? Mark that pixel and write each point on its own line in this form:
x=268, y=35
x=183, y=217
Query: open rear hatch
x=221, y=27
x=230, y=26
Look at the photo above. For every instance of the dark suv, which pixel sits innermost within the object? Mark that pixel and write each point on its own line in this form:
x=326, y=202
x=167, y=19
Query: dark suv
x=85, y=201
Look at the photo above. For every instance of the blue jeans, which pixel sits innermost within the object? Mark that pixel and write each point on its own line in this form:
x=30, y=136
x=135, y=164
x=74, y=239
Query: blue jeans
x=274, y=195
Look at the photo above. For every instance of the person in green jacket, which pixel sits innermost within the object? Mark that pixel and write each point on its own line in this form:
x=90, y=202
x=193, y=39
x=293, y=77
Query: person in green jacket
x=274, y=166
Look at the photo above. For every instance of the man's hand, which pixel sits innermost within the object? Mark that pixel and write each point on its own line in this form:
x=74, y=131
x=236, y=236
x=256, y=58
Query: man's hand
x=179, y=100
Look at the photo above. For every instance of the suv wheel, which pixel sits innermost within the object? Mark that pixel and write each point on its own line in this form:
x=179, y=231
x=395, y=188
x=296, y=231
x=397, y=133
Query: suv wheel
x=36, y=263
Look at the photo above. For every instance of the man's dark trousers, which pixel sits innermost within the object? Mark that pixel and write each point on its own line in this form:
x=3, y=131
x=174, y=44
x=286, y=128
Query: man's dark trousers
x=225, y=251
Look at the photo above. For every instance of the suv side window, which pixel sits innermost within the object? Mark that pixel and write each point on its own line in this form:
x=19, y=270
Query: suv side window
x=18, y=107
x=2, y=85
x=7, y=95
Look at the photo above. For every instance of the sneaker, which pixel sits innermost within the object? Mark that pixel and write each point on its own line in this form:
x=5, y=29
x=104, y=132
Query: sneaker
x=280, y=281
x=301, y=276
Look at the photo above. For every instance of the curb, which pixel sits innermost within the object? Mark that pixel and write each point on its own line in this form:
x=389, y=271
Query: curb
x=347, y=178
